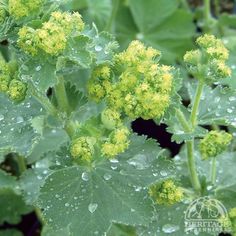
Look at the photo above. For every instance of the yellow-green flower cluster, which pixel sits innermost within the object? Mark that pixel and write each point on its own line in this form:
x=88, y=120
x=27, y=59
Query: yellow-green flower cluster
x=52, y=36
x=208, y=62
x=15, y=89
x=100, y=82
x=117, y=142
x=214, y=143
x=142, y=88
x=110, y=118
x=23, y=8
x=166, y=193
x=28, y=40
x=228, y=222
x=5, y=76
x=82, y=148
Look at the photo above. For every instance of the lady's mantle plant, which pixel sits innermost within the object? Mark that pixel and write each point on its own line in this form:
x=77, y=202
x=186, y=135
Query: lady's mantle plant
x=68, y=98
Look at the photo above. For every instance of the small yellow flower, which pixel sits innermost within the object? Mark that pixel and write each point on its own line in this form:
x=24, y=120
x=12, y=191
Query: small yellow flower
x=110, y=118
x=214, y=143
x=117, y=143
x=166, y=192
x=27, y=40
x=143, y=88
x=82, y=148
x=23, y=8
x=17, y=90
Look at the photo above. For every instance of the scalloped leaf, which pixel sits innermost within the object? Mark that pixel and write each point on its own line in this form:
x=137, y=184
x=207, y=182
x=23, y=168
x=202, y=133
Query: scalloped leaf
x=17, y=134
x=41, y=72
x=217, y=106
x=12, y=206
x=167, y=220
x=52, y=140
x=170, y=30
x=114, y=190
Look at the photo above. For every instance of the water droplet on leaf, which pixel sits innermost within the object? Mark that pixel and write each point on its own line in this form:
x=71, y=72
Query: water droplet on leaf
x=92, y=207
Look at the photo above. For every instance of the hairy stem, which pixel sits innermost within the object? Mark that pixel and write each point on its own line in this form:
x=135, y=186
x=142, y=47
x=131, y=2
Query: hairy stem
x=192, y=166
x=196, y=103
x=213, y=171
x=61, y=96
x=21, y=164
x=190, y=153
x=183, y=120
x=112, y=16
x=207, y=15
x=217, y=7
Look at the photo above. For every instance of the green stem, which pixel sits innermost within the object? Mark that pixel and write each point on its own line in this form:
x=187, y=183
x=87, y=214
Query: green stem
x=183, y=121
x=192, y=166
x=190, y=153
x=61, y=96
x=196, y=103
x=217, y=7
x=207, y=15
x=213, y=171
x=112, y=16
x=39, y=215
x=21, y=164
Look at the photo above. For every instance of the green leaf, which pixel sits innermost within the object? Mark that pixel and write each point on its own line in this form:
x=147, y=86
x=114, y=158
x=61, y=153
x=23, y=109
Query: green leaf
x=32, y=179
x=77, y=51
x=51, y=140
x=40, y=72
x=98, y=12
x=174, y=127
x=121, y=230
x=167, y=220
x=17, y=135
x=47, y=231
x=6, y=180
x=170, y=30
x=109, y=192
x=12, y=206
x=10, y=232
x=217, y=106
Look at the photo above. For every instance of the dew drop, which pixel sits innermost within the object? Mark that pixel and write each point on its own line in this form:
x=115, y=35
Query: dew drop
x=107, y=176
x=85, y=176
x=19, y=119
x=67, y=204
x=231, y=99
x=92, y=207
x=169, y=228
x=98, y=48
x=163, y=173
x=1, y=117
x=38, y=68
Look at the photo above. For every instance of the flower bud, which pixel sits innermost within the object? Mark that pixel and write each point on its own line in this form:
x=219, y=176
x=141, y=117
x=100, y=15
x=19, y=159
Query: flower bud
x=192, y=57
x=83, y=148
x=110, y=118
x=19, y=9
x=214, y=143
x=166, y=193
x=27, y=40
x=117, y=143
x=17, y=90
